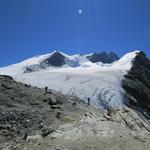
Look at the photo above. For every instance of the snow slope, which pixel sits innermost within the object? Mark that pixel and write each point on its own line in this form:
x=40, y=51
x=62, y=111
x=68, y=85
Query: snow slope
x=97, y=81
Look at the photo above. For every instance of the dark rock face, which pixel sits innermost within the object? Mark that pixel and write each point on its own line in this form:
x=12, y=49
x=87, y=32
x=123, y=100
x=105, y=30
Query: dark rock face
x=137, y=84
x=103, y=57
x=32, y=68
x=55, y=60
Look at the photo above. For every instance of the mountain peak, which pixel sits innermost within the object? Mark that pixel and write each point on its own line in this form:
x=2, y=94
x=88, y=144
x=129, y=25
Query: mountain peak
x=57, y=59
x=55, y=52
x=103, y=57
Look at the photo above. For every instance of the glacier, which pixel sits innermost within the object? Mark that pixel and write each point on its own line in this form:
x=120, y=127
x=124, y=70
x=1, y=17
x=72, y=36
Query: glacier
x=78, y=77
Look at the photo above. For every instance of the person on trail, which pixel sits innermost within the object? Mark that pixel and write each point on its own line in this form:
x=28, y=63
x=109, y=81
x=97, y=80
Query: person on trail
x=46, y=90
x=88, y=101
x=111, y=111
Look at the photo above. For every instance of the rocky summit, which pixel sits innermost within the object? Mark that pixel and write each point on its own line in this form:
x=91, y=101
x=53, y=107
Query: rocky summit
x=55, y=60
x=103, y=57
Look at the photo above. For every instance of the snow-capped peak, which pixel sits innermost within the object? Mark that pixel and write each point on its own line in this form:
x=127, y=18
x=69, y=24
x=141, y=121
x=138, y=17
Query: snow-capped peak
x=59, y=59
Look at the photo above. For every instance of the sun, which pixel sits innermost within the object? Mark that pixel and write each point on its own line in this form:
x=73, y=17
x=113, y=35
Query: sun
x=80, y=11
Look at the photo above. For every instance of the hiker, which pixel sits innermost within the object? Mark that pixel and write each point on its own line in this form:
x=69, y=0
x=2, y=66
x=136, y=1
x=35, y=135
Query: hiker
x=111, y=111
x=88, y=101
x=46, y=90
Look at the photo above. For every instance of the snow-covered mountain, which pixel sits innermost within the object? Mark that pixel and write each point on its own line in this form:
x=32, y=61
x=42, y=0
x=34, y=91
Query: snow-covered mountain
x=94, y=76
x=57, y=59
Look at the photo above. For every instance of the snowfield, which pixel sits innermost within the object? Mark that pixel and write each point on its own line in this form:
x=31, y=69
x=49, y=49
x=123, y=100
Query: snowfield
x=97, y=81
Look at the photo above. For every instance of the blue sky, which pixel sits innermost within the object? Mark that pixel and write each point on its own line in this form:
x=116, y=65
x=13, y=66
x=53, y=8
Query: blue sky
x=33, y=27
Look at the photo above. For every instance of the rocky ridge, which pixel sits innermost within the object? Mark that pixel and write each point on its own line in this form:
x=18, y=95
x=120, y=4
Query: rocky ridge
x=137, y=85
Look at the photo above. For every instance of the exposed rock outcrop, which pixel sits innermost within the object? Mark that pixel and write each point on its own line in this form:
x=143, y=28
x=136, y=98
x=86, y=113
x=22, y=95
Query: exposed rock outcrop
x=103, y=57
x=55, y=60
x=137, y=84
x=32, y=68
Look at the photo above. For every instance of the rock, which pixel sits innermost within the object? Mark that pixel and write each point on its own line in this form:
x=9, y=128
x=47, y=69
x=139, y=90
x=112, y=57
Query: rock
x=6, y=78
x=103, y=57
x=47, y=131
x=74, y=103
x=31, y=68
x=108, y=118
x=59, y=101
x=6, y=86
x=55, y=60
x=56, y=107
x=52, y=100
x=25, y=136
x=34, y=138
x=45, y=100
x=58, y=115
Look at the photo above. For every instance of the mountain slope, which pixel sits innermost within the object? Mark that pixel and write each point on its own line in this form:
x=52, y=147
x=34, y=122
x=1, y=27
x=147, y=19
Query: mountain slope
x=32, y=119
x=26, y=111
x=137, y=84
x=98, y=81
